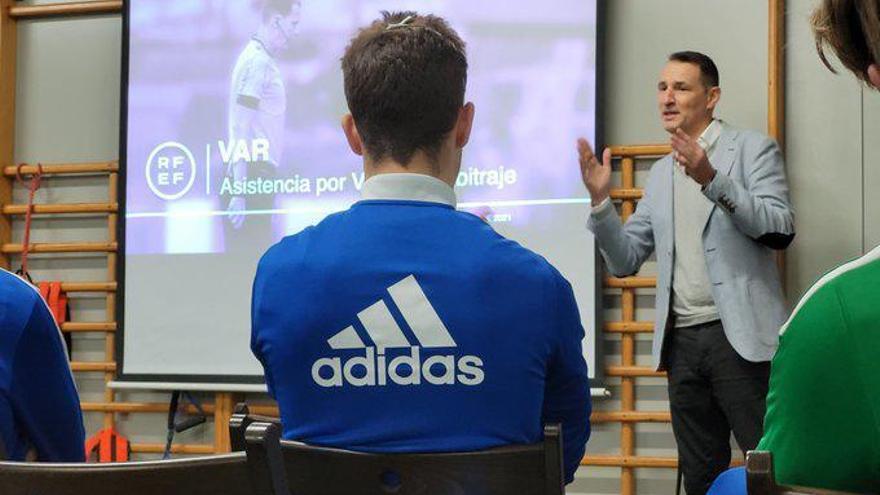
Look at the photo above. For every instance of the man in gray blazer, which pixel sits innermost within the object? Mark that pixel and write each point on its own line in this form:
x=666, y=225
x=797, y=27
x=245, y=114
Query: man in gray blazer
x=714, y=211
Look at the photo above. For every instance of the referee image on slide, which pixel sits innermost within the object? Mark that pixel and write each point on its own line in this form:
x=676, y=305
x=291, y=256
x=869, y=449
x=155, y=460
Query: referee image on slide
x=257, y=111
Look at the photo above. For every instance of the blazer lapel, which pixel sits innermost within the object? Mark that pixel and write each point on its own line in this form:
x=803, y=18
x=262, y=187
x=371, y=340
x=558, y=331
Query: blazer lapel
x=722, y=159
x=725, y=151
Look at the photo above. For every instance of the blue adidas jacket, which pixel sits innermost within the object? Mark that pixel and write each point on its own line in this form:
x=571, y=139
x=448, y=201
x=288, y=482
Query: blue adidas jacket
x=406, y=326
x=39, y=405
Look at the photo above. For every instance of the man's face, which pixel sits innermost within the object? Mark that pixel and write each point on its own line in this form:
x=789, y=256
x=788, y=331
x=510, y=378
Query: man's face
x=683, y=100
x=286, y=26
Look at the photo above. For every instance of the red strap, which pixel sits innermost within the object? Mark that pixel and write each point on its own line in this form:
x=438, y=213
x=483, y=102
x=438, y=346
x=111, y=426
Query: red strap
x=61, y=317
x=109, y=446
x=56, y=299
x=122, y=448
x=91, y=445
x=57, y=302
x=104, y=454
x=32, y=186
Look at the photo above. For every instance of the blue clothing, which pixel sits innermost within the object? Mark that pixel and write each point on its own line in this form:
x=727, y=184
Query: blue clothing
x=39, y=404
x=730, y=482
x=406, y=326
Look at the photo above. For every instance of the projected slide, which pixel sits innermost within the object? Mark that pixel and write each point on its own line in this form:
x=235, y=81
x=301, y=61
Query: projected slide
x=232, y=141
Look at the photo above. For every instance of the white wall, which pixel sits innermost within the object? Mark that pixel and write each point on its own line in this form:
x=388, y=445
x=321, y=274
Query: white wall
x=67, y=110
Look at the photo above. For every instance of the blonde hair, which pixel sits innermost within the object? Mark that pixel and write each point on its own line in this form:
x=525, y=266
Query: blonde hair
x=851, y=29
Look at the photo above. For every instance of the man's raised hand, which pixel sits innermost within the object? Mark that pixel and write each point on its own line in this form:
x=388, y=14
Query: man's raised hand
x=692, y=157
x=596, y=176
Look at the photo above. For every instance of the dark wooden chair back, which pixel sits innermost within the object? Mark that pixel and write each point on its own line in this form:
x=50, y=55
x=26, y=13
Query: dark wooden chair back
x=238, y=423
x=210, y=475
x=761, y=480
x=294, y=468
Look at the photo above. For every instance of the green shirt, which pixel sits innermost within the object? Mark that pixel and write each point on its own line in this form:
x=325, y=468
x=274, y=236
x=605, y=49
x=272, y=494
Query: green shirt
x=823, y=407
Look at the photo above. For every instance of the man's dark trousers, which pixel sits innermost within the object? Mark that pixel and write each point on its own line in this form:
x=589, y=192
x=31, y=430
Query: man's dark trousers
x=712, y=390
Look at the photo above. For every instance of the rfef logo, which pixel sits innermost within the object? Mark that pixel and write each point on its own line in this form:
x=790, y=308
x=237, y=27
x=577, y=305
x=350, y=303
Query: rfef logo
x=170, y=170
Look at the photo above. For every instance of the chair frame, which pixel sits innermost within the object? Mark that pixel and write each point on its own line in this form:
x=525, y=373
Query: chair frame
x=27, y=478
x=265, y=450
x=761, y=478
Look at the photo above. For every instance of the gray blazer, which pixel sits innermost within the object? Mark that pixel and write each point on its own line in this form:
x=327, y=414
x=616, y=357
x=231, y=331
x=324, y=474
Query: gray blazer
x=750, y=218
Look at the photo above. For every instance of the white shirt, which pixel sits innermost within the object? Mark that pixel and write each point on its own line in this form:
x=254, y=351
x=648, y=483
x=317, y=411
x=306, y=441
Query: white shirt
x=408, y=187
x=692, y=301
x=256, y=76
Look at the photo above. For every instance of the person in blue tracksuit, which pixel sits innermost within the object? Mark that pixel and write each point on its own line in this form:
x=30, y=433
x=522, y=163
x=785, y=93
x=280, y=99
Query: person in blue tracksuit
x=401, y=324
x=39, y=404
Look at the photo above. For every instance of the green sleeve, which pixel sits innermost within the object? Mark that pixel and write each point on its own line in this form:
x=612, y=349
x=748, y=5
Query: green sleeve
x=820, y=421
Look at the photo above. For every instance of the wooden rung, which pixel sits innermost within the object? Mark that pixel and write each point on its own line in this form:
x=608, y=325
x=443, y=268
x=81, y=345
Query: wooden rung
x=623, y=193
x=641, y=150
x=63, y=9
x=139, y=407
x=158, y=448
x=264, y=410
x=628, y=326
x=629, y=461
x=92, y=366
x=88, y=286
x=631, y=282
x=630, y=417
x=632, y=371
x=88, y=327
x=61, y=208
x=62, y=247
x=64, y=168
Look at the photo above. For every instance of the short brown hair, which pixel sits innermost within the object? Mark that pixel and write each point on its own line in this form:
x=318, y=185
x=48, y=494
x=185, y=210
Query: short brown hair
x=851, y=28
x=405, y=76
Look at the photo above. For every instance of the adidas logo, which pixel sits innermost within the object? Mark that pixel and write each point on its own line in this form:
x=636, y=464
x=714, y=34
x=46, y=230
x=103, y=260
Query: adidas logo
x=376, y=367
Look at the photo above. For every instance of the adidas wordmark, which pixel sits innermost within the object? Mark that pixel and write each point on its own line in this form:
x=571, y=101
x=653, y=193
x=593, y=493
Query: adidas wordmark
x=377, y=367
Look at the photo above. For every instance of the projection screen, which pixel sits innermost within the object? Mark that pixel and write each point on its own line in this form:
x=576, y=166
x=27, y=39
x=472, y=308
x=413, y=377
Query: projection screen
x=188, y=255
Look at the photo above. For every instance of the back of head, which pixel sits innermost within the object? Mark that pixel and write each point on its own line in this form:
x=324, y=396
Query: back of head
x=405, y=76
x=851, y=29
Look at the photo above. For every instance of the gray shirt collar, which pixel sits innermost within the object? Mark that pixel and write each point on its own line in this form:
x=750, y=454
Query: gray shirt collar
x=408, y=187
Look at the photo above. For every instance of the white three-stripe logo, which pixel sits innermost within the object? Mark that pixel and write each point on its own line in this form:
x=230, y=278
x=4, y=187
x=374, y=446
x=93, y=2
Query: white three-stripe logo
x=383, y=330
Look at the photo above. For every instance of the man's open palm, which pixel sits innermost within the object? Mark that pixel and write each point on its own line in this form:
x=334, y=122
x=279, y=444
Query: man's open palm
x=596, y=176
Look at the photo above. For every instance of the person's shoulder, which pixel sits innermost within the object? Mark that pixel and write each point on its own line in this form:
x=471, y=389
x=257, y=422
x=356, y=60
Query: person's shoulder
x=17, y=290
x=748, y=139
x=856, y=284
x=852, y=284
x=291, y=248
x=17, y=298
x=253, y=57
x=502, y=253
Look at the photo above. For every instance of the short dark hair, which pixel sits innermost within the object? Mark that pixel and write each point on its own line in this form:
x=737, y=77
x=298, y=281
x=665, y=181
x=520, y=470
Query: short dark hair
x=282, y=7
x=708, y=69
x=851, y=28
x=405, y=77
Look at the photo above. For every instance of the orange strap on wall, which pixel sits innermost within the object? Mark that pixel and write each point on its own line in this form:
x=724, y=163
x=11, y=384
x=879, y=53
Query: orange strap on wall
x=107, y=446
x=56, y=299
x=32, y=187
